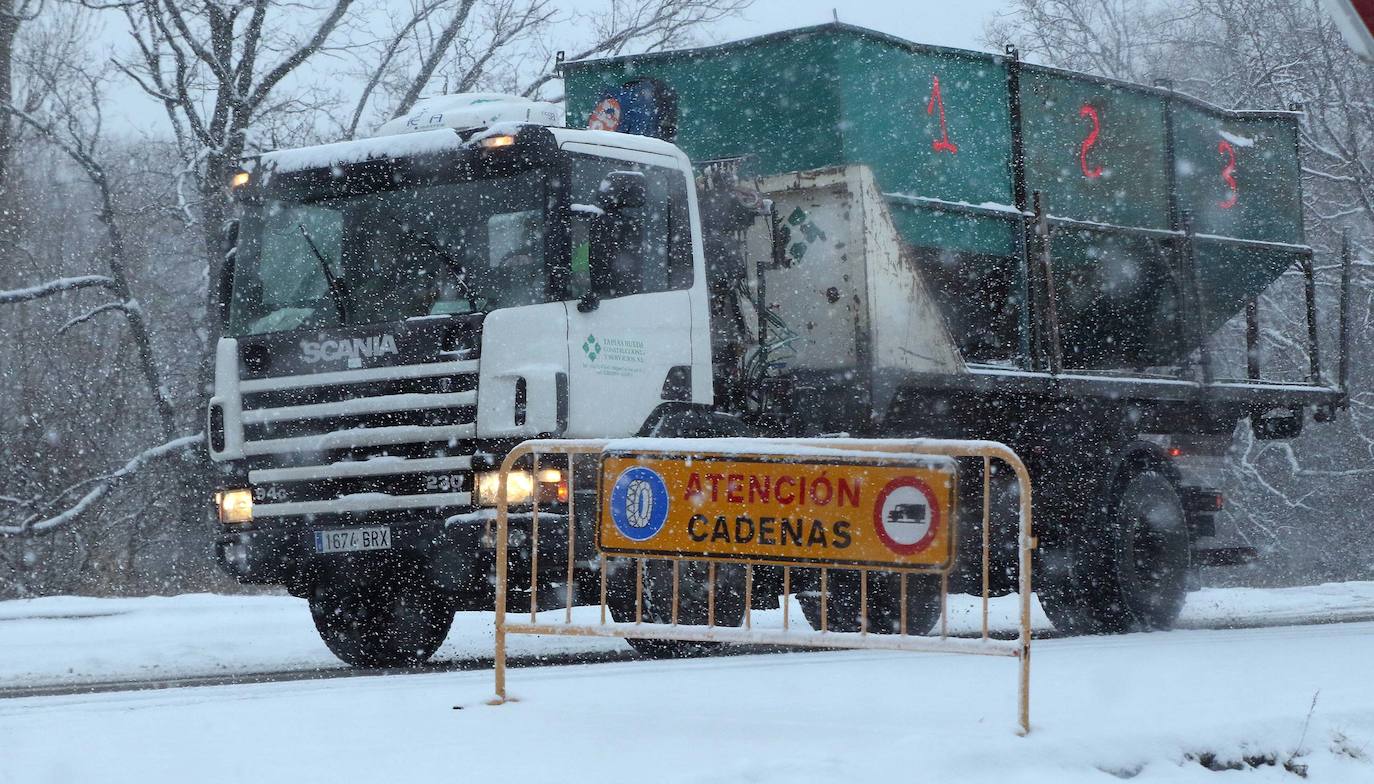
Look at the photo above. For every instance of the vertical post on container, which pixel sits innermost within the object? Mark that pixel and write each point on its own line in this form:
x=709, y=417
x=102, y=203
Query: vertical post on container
x=1313, y=345
x=1046, y=265
x=1170, y=152
x=1252, y=357
x=1018, y=147
x=1347, y=261
x=1030, y=342
x=1199, y=304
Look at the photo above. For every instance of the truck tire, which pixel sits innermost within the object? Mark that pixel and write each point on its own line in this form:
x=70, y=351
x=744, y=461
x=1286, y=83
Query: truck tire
x=1127, y=574
x=385, y=623
x=884, y=602
x=693, y=604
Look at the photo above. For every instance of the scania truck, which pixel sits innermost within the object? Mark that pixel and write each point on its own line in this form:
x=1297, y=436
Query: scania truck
x=871, y=237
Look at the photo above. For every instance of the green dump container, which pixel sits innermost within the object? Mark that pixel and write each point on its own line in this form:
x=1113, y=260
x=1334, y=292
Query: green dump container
x=1119, y=166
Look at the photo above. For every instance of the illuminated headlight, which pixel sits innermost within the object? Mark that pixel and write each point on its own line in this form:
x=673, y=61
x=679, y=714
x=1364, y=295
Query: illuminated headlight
x=520, y=486
x=235, y=506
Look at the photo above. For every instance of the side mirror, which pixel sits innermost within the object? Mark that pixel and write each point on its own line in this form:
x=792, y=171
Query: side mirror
x=615, y=227
x=226, y=271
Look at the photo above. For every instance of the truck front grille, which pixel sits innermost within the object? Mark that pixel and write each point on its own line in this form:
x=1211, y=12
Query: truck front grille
x=356, y=441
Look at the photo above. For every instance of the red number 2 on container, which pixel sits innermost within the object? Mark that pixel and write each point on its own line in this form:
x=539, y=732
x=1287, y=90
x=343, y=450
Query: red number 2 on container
x=942, y=144
x=1228, y=173
x=1091, y=172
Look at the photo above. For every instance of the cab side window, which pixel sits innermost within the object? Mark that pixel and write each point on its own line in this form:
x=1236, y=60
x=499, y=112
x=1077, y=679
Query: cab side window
x=643, y=244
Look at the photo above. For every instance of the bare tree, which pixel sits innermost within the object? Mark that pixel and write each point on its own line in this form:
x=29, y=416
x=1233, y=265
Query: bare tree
x=215, y=68
x=69, y=118
x=13, y=14
x=462, y=46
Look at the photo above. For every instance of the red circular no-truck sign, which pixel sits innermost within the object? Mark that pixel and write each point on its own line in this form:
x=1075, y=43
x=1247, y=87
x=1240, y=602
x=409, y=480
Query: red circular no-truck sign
x=906, y=515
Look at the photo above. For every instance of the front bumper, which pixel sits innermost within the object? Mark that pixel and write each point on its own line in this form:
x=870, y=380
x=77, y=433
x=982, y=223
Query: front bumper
x=457, y=553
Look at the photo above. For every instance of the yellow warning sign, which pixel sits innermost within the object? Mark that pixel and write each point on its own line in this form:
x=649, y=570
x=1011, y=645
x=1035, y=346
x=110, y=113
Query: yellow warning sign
x=882, y=512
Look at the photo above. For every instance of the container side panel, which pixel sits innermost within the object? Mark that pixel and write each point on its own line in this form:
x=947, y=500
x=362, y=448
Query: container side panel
x=774, y=100
x=1239, y=176
x=958, y=231
x=951, y=141
x=929, y=124
x=1096, y=150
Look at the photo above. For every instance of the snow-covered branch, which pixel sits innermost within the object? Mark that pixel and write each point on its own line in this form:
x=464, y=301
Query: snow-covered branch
x=92, y=313
x=52, y=287
x=39, y=524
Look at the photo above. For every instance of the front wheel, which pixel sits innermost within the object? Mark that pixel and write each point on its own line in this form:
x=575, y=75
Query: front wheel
x=382, y=623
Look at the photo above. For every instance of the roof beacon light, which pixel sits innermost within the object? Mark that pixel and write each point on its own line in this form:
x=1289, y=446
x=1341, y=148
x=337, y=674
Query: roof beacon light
x=490, y=142
x=469, y=111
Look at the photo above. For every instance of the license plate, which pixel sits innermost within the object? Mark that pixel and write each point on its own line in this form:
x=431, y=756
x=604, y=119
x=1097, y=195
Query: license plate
x=352, y=540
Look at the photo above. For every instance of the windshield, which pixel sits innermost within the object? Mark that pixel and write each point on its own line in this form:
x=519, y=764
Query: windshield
x=388, y=255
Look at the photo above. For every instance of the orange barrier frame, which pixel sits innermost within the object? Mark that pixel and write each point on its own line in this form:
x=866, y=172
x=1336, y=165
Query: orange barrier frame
x=988, y=451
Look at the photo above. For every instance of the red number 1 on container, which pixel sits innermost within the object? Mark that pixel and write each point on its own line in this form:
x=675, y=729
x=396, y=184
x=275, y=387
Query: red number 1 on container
x=942, y=144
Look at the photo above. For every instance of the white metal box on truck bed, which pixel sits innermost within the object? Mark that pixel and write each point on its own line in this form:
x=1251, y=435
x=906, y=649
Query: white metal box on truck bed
x=846, y=286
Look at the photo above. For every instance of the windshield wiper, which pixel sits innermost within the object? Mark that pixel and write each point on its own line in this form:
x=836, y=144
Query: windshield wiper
x=460, y=272
x=337, y=290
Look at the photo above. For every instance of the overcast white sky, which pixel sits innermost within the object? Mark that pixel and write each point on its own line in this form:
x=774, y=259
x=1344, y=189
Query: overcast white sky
x=130, y=112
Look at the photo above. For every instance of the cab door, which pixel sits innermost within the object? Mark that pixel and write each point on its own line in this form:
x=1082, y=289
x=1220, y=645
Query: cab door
x=630, y=344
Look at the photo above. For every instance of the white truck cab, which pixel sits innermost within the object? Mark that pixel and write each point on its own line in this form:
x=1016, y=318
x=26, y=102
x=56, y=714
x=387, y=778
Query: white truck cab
x=401, y=310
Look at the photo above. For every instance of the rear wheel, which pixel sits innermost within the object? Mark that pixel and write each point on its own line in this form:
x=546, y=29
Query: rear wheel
x=844, y=602
x=1128, y=573
x=694, y=602
x=388, y=622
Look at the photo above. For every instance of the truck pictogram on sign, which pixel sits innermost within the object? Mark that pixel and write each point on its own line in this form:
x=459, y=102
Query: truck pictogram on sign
x=906, y=516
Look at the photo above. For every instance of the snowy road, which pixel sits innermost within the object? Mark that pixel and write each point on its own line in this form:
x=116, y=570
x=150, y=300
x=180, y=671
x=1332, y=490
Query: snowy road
x=59, y=643
x=1157, y=707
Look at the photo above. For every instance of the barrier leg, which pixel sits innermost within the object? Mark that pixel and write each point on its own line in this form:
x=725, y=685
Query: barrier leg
x=499, y=663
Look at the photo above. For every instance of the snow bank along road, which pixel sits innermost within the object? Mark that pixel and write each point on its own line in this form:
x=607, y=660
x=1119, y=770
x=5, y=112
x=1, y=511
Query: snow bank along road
x=1257, y=705
x=67, y=642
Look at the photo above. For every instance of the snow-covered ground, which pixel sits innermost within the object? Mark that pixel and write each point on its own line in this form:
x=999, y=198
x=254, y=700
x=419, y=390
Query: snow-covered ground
x=1151, y=707
x=70, y=640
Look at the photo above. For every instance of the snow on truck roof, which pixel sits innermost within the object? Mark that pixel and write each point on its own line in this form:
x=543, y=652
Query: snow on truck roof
x=435, y=125
x=360, y=150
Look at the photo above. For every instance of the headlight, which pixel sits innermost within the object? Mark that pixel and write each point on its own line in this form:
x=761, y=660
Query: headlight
x=520, y=486
x=235, y=506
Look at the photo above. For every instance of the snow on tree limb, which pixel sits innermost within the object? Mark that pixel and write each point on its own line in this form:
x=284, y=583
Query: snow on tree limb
x=38, y=524
x=52, y=287
x=92, y=313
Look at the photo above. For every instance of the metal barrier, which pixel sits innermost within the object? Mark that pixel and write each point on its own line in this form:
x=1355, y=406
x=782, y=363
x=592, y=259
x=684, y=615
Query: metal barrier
x=827, y=452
